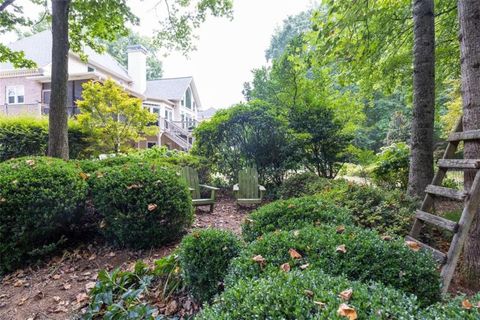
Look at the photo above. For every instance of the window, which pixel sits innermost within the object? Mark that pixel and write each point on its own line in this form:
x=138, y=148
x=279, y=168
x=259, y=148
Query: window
x=15, y=94
x=46, y=97
x=188, y=98
x=90, y=69
x=150, y=145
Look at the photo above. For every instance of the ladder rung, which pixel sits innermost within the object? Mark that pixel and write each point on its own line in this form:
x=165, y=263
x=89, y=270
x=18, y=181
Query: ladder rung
x=459, y=164
x=437, y=221
x=438, y=255
x=446, y=192
x=465, y=135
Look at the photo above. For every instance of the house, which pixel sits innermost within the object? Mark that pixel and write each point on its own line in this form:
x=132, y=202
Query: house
x=206, y=114
x=27, y=91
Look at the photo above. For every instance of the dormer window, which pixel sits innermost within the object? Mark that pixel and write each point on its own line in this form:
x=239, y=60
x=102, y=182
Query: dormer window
x=90, y=69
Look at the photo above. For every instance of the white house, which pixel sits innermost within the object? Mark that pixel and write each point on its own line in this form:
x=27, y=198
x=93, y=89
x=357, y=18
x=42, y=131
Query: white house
x=27, y=91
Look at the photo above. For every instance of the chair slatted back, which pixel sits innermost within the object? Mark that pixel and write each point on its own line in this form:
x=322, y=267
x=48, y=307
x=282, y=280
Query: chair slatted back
x=191, y=176
x=248, y=183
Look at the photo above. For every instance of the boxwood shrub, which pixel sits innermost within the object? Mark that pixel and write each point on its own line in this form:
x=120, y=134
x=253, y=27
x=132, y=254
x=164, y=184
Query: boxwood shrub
x=304, y=184
x=205, y=256
x=454, y=309
x=293, y=214
x=308, y=295
x=366, y=257
x=144, y=205
x=40, y=199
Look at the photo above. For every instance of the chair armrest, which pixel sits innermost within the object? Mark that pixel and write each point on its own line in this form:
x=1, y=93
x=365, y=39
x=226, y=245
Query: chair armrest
x=191, y=189
x=261, y=188
x=208, y=187
x=235, y=187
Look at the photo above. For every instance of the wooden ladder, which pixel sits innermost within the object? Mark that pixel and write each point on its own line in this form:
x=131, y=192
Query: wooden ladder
x=471, y=199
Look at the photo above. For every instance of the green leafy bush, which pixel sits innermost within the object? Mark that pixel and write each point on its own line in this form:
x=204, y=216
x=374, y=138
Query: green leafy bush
x=371, y=207
x=293, y=214
x=40, y=198
x=205, y=256
x=23, y=136
x=365, y=257
x=120, y=295
x=456, y=308
x=308, y=295
x=391, y=167
x=144, y=205
x=303, y=184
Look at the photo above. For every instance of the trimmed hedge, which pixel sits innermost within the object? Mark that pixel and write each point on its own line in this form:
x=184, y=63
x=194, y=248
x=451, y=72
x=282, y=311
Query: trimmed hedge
x=205, y=256
x=293, y=214
x=144, y=205
x=387, y=212
x=367, y=257
x=40, y=198
x=308, y=295
x=23, y=136
x=453, y=309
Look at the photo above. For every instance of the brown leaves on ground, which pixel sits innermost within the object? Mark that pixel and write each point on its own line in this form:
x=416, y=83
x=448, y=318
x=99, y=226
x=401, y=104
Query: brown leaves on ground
x=152, y=207
x=285, y=267
x=341, y=249
x=340, y=229
x=467, y=305
x=414, y=246
x=294, y=254
x=260, y=260
x=346, y=311
x=346, y=294
x=304, y=266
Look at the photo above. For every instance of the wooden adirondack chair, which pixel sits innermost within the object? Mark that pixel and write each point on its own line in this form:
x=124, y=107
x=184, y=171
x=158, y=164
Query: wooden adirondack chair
x=191, y=176
x=248, y=191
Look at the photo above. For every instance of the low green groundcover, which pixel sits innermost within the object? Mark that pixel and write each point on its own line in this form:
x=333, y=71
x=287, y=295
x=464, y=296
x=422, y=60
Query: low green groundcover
x=293, y=214
x=356, y=253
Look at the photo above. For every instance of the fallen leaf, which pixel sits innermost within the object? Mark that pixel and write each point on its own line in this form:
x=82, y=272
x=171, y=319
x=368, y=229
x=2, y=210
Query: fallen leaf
x=346, y=294
x=60, y=309
x=260, y=260
x=82, y=297
x=38, y=295
x=291, y=206
x=342, y=248
x=309, y=293
x=89, y=286
x=134, y=186
x=285, y=267
x=22, y=301
x=30, y=162
x=56, y=277
x=340, y=229
x=67, y=286
x=413, y=245
x=112, y=254
x=466, y=304
x=172, y=307
x=247, y=220
x=92, y=257
x=304, y=266
x=320, y=304
x=386, y=238
x=152, y=207
x=18, y=283
x=2, y=200
x=294, y=254
x=56, y=298
x=346, y=311
x=296, y=233
x=83, y=175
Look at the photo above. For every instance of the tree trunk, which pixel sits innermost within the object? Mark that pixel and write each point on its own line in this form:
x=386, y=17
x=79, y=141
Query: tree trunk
x=469, y=16
x=58, y=116
x=421, y=166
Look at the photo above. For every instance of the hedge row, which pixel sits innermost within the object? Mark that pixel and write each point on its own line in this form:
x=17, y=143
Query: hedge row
x=356, y=253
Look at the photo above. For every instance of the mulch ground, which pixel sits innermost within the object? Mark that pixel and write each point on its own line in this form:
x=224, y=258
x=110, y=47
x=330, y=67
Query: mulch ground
x=58, y=289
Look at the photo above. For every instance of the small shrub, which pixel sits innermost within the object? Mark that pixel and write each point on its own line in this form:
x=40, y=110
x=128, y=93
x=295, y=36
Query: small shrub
x=391, y=167
x=305, y=295
x=303, y=184
x=456, y=308
x=40, y=198
x=366, y=257
x=144, y=205
x=374, y=208
x=204, y=258
x=293, y=214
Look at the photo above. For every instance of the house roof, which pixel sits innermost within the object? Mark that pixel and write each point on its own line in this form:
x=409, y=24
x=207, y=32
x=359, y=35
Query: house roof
x=38, y=48
x=168, y=88
x=206, y=114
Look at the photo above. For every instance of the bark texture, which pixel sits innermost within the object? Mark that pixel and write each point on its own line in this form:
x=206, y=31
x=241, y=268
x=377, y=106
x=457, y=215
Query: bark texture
x=469, y=16
x=421, y=165
x=58, y=116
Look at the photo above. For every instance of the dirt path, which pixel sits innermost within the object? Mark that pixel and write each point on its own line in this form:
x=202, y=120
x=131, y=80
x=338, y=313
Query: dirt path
x=58, y=289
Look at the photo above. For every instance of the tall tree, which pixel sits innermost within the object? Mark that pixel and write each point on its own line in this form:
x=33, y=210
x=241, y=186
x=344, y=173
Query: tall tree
x=469, y=17
x=421, y=164
x=58, y=116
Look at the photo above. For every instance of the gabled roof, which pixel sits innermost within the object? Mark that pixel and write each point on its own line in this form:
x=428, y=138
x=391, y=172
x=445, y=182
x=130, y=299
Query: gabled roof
x=168, y=88
x=206, y=114
x=38, y=48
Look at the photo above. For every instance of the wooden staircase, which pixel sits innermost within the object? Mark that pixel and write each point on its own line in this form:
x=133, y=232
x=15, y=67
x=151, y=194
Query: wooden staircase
x=471, y=199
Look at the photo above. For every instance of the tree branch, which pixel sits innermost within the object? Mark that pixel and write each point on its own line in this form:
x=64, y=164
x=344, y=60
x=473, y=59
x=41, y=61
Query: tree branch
x=5, y=4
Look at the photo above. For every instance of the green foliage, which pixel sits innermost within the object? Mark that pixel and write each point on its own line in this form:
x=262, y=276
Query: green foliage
x=303, y=184
x=308, y=295
x=293, y=214
x=453, y=309
x=205, y=256
x=391, y=167
x=23, y=136
x=366, y=258
x=246, y=135
x=113, y=117
x=144, y=205
x=40, y=200
x=386, y=211
x=119, y=294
